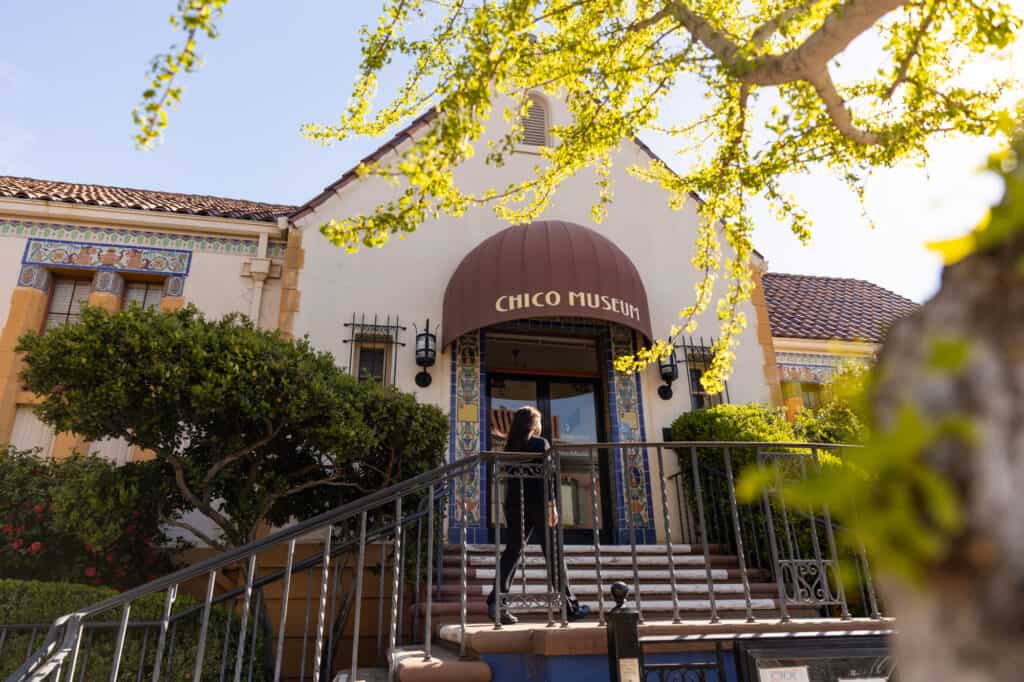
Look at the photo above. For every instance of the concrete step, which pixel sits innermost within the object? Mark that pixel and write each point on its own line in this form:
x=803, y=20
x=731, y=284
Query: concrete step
x=682, y=575
x=409, y=665
x=450, y=591
x=609, y=550
x=613, y=574
x=477, y=606
x=363, y=675
x=681, y=560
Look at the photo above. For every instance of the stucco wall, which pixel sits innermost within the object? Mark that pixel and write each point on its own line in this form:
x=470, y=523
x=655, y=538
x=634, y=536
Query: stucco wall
x=408, y=277
x=215, y=284
x=11, y=249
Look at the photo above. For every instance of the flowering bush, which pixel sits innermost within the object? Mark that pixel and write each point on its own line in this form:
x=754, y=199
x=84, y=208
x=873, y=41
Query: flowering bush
x=82, y=520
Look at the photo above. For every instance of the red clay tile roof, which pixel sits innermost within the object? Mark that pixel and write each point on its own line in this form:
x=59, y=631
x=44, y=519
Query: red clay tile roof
x=806, y=307
x=142, y=199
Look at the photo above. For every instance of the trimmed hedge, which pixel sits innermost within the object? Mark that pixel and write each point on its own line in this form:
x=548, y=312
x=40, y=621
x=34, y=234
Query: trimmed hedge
x=39, y=603
x=734, y=423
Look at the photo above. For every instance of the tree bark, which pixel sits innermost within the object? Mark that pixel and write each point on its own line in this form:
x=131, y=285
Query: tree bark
x=965, y=621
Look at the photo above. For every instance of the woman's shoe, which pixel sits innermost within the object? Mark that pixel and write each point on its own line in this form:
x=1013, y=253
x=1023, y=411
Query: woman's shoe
x=579, y=613
x=506, y=617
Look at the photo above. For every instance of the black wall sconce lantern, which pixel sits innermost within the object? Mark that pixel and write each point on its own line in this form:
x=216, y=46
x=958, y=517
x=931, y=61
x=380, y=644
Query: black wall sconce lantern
x=668, y=367
x=426, y=353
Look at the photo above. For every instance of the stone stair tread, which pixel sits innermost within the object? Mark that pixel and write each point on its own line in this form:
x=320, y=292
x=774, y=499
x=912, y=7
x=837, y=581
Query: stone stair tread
x=610, y=574
x=683, y=575
x=688, y=560
x=758, y=603
x=363, y=675
x=591, y=588
x=589, y=549
x=409, y=665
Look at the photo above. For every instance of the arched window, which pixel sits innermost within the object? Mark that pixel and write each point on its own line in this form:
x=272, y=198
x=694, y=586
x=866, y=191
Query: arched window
x=535, y=124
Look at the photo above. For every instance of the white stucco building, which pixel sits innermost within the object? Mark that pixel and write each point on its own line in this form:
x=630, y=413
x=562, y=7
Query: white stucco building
x=527, y=314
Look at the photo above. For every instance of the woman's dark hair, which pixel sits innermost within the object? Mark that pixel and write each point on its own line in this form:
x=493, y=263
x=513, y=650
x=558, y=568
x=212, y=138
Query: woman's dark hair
x=525, y=425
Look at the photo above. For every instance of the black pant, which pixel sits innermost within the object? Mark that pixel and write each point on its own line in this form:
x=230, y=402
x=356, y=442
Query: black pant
x=533, y=527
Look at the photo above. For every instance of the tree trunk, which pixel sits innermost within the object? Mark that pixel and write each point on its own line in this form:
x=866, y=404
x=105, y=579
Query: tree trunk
x=965, y=621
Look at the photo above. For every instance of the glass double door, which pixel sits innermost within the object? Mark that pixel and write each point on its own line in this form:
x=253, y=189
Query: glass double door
x=572, y=413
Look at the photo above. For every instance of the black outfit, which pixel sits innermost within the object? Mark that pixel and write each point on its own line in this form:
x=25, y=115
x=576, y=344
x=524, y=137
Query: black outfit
x=531, y=525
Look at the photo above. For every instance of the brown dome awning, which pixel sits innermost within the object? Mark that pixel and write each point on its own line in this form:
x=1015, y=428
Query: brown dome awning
x=549, y=268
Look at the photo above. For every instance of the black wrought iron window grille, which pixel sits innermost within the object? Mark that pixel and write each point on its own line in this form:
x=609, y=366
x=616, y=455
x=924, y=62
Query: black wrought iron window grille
x=696, y=356
x=372, y=347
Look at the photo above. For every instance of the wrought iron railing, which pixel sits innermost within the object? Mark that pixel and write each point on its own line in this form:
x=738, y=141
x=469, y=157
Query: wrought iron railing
x=239, y=626
x=797, y=548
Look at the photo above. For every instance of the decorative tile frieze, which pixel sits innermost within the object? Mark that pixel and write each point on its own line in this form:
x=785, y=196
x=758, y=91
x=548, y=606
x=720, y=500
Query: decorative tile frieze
x=466, y=418
x=139, y=238
x=628, y=410
x=34, y=277
x=108, y=282
x=813, y=368
x=174, y=286
x=84, y=255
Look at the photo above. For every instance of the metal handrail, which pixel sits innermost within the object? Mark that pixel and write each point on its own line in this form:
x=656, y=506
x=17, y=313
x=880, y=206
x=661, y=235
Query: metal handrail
x=57, y=645
x=673, y=444
x=328, y=518
x=222, y=560
x=393, y=528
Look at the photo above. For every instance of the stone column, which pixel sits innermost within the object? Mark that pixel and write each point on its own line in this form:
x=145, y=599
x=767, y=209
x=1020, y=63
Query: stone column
x=27, y=313
x=764, y=333
x=293, y=261
x=107, y=290
x=174, y=295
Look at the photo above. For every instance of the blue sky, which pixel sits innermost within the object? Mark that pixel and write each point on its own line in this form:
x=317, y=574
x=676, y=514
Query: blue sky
x=70, y=73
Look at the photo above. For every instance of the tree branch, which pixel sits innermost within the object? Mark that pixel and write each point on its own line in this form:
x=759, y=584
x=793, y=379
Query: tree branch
x=840, y=28
x=763, y=33
x=901, y=72
x=837, y=110
x=272, y=500
x=663, y=13
x=238, y=454
x=703, y=32
x=202, y=505
x=199, y=534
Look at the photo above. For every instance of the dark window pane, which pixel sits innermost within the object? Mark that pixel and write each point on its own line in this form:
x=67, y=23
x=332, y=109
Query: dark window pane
x=146, y=294
x=66, y=301
x=698, y=360
x=371, y=364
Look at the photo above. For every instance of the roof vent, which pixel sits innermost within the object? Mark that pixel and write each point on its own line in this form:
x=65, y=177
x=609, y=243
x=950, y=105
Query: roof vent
x=535, y=123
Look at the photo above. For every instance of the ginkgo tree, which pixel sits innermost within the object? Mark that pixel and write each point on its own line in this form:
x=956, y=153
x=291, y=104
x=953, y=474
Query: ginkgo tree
x=777, y=104
x=939, y=485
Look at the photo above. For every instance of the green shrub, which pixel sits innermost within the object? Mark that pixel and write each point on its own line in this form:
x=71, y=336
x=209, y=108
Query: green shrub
x=254, y=427
x=83, y=520
x=734, y=423
x=36, y=602
x=833, y=422
x=844, y=415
